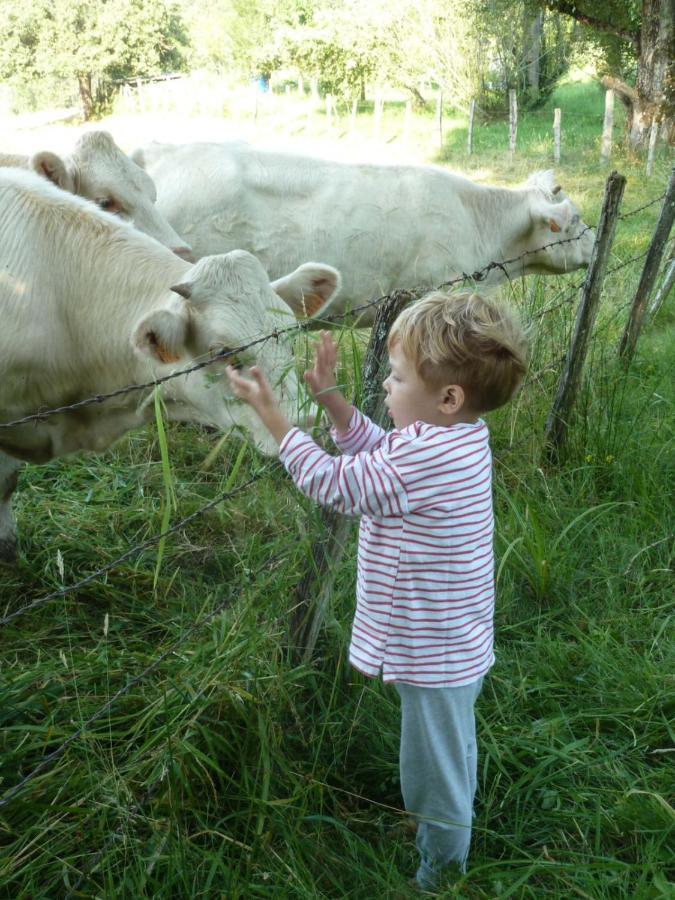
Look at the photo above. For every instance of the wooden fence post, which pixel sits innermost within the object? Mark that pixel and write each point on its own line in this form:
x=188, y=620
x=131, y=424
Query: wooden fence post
x=664, y=289
x=513, y=121
x=649, y=273
x=556, y=425
x=469, y=137
x=556, y=135
x=313, y=593
x=606, y=146
x=652, y=145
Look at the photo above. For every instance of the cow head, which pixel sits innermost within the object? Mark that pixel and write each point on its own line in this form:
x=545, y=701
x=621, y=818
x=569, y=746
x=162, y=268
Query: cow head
x=226, y=302
x=98, y=170
x=556, y=221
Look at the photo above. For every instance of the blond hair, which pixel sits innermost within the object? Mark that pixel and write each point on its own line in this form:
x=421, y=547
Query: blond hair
x=464, y=339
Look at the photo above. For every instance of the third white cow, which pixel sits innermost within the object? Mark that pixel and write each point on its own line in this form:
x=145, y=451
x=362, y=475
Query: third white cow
x=98, y=170
x=385, y=227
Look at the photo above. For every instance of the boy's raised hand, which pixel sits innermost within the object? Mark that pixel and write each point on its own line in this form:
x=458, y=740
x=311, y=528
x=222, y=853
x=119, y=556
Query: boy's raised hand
x=322, y=383
x=321, y=379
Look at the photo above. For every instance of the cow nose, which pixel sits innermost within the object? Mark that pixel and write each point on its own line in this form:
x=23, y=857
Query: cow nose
x=185, y=252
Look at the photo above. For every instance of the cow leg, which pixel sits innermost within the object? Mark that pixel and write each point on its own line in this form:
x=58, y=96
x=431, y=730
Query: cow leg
x=9, y=469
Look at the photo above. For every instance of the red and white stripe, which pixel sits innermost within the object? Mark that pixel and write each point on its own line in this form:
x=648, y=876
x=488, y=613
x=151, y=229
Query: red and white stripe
x=425, y=578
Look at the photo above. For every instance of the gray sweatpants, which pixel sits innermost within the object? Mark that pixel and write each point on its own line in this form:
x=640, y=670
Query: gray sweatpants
x=438, y=764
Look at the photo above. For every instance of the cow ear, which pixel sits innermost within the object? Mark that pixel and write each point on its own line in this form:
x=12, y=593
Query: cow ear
x=53, y=168
x=556, y=216
x=308, y=289
x=184, y=289
x=161, y=335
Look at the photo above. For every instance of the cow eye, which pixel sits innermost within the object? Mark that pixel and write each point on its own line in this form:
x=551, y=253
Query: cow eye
x=109, y=204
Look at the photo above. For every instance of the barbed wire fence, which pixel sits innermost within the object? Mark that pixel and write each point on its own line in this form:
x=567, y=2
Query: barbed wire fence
x=354, y=313
x=390, y=304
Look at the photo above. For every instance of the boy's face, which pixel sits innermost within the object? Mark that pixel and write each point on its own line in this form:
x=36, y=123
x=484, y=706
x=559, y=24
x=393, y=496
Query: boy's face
x=408, y=399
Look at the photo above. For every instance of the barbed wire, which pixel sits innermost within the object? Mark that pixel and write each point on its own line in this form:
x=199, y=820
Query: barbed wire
x=137, y=548
x=638, y=209
x=477, y=276
x=276, y=334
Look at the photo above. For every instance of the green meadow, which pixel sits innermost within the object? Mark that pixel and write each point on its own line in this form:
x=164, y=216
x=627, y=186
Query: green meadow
x=203, y=758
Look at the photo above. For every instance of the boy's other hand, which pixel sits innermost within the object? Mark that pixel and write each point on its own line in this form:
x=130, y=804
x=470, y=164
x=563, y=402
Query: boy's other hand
x=321, y=379
x=255, y=391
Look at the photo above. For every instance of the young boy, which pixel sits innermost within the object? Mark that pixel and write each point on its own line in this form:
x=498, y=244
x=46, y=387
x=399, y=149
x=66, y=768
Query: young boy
x=425, y=579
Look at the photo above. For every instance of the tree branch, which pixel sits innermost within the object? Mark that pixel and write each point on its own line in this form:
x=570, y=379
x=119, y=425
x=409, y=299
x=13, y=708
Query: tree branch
x=626, y=94
x=569, y=8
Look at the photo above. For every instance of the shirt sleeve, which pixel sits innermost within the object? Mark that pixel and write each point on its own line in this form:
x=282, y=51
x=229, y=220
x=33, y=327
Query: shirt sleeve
x=364, y=483
x=362, y=434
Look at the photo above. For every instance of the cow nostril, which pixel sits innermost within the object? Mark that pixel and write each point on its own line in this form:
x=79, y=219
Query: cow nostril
x=184, y=253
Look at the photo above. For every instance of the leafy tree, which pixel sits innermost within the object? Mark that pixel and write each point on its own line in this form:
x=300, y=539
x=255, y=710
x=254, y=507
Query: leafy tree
x=643, y=31
x=89, y=42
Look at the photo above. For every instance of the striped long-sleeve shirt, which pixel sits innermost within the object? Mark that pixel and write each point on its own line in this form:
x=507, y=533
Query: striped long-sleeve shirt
x=425, y=582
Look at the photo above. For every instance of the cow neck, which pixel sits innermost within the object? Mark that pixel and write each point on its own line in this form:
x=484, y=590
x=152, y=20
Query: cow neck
x=129, y=283
x=502, y=217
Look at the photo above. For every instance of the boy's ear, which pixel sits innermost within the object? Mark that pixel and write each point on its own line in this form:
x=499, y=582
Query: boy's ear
x=452, y=400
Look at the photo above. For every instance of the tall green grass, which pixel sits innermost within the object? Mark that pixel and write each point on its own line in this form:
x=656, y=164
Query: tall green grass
x=232, y=771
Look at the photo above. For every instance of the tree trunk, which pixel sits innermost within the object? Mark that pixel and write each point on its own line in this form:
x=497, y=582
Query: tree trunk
x=86, y=98
x=654, y=92
x=654, y=45
x=533, y=54
x=418, y=100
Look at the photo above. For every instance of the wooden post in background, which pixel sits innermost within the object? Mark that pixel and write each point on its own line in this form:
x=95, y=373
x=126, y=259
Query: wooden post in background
x=313, y=592
x=558, y=420
x=513, y=121
x=652, y=144
x=556, y=135
x=439, y=118
x=352, y=115
x=141, y=95
x=378, y=107
x=407, y=121
x=649, y=273
x=469, y=137
x=606, y=146
x=329, y=110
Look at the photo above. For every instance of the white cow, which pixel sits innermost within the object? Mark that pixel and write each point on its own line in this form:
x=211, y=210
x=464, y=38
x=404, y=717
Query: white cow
x=99, y=170
x=88, y=305
x=384, y=227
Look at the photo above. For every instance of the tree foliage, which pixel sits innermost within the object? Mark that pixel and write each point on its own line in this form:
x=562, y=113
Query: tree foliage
x=89, y=43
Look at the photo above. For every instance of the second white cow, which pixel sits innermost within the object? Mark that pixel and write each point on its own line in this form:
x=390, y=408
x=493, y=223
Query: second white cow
x=89, y=305
x=98, y=170
x=385, y=227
